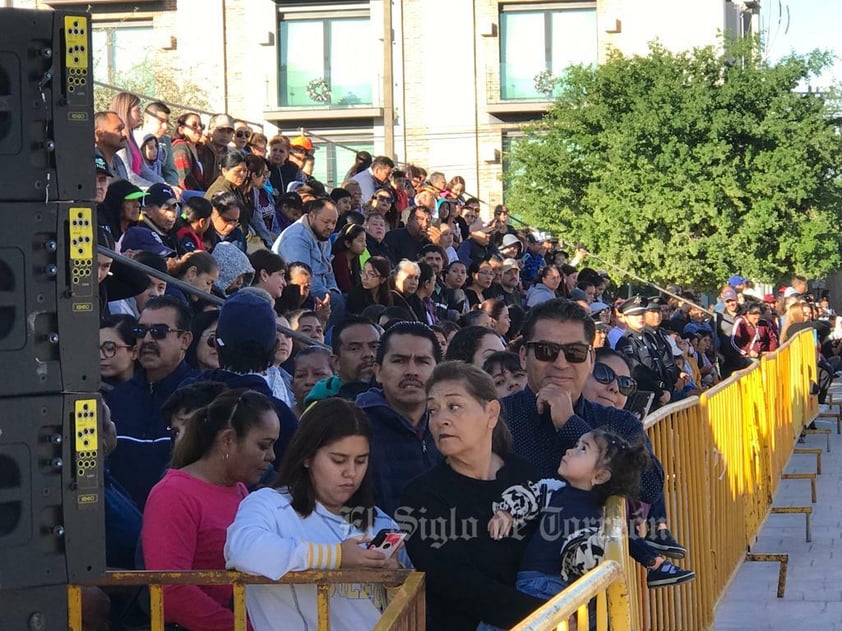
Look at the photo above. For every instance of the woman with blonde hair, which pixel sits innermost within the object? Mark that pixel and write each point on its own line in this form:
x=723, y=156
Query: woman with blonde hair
x=794, y=315
x=127, y=106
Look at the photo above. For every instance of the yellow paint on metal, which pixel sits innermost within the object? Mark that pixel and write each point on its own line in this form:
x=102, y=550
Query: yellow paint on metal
x=323, y=606
x=74, y=608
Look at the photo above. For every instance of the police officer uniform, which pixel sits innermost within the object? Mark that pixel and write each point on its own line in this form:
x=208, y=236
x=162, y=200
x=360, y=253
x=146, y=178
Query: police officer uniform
x=643, y=352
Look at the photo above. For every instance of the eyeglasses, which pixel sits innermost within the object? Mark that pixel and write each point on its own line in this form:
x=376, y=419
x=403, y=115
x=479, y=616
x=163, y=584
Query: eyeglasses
x=575, y=353
x=605, y=375
x=158, y=331
x=367, y=274
x=383, y=198
x=486, y=272
x=109, y=349
x=242, y=134
x=198, y=127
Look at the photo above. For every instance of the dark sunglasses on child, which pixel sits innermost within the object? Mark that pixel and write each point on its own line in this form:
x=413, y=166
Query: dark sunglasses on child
x=605, y=375
x=575, y=353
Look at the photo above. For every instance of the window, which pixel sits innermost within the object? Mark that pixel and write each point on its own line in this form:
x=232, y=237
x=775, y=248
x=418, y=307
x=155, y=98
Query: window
x=326, y=60
x=119, y=49
x=333, y=160
x=537, y=43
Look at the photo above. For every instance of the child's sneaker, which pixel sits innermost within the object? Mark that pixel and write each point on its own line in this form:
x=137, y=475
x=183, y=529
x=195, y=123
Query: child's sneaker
x=667, y=574
x=663, y=541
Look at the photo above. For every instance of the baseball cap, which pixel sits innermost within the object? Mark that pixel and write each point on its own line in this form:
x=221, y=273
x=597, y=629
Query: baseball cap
x=144, y=240
x=221, y=121
x=159, y=194
x=101, y=165
x=301, y=142
x=729, y=294
x=509, y=240
x=510, y=264
x=597, y=307
x=246, y=318
x=736, y=279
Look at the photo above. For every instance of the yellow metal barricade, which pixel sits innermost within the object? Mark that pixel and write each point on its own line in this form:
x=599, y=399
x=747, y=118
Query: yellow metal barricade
x=723, y=454
x=406, y=610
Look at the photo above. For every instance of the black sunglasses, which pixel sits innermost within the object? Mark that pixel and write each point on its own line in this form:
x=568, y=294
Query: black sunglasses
x=575, y=353
x=242, y=134
x=605, y=375
x=212, y=340
x=158, y=331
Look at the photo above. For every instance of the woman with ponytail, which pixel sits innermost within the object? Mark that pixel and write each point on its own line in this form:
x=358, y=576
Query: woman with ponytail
x=223, y=448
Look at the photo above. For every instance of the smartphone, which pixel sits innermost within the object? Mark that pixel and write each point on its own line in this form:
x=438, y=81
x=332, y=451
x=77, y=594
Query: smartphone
x=387, y=541
x=640, y=403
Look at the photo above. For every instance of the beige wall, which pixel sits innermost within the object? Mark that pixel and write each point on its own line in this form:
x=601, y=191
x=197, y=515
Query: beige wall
x=445, y=70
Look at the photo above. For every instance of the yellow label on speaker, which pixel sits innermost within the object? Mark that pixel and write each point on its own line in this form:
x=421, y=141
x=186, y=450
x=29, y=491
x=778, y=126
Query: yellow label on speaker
x=81, y=234
x=82, y=307
x=76, y=53
x=86, y=430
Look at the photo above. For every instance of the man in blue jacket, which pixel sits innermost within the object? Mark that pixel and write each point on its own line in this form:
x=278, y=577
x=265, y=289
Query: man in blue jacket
x=163, y=335
x=402, y=447
x=246, y=338
x=307, y=241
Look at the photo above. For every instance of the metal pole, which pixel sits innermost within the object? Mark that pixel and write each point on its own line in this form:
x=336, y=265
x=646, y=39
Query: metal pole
x=190, y=289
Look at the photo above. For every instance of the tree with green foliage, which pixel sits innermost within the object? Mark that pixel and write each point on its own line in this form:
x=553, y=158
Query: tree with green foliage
x=689, y=167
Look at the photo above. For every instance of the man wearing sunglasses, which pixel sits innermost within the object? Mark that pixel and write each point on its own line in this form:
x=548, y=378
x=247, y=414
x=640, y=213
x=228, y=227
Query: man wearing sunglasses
x=162, y=337
x=644, y=352
x=550, y=415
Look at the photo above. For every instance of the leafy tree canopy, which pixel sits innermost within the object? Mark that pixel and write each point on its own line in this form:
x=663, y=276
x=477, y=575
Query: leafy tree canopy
x=689, y=167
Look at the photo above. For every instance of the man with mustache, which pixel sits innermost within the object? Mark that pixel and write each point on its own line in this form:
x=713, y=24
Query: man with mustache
x=402, y=447
x=354, y=343
x=163, y=335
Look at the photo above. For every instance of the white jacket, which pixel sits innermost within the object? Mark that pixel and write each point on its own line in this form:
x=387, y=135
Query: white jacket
x=269, y=538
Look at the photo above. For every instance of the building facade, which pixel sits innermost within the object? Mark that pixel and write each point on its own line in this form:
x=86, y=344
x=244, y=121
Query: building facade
x=445, y=84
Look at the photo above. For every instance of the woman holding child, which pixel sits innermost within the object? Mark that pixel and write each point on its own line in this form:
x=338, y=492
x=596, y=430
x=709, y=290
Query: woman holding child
x=470, y=576
x=487, y=564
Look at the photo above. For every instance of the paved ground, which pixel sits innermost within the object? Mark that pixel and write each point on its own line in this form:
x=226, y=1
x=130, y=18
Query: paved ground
x=813, y=599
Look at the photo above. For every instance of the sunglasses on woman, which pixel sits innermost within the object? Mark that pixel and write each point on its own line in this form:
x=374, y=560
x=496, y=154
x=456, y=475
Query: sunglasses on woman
x=158, y=331
x=605, y=375
x=575, y=353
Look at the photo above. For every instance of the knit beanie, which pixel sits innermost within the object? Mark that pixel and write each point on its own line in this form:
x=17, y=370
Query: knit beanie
x=232, y=262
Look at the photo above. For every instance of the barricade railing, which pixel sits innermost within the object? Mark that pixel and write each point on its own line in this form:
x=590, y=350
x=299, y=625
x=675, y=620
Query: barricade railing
x=603, y=593
x=723, y=455
x=406, y=610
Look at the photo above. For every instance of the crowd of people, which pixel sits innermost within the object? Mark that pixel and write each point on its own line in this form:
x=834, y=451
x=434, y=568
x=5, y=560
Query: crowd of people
x=464, y=381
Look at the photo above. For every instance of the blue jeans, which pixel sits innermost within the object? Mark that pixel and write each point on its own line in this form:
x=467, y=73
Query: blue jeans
x=539, y=584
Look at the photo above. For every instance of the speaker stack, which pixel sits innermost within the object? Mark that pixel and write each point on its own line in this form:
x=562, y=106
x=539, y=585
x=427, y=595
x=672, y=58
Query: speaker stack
x=52, y=529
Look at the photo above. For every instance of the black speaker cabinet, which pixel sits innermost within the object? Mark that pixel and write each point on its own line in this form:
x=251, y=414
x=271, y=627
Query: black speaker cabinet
x=52, y=516
x=41, y=609
x=46, y=106
x=49, y=309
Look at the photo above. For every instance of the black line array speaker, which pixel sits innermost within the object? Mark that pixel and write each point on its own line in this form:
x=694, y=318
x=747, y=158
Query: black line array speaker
x=51, y=522
x=46, y=105
x=52, y=506
x=49, y=312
